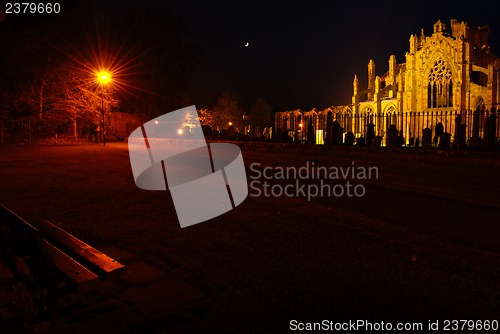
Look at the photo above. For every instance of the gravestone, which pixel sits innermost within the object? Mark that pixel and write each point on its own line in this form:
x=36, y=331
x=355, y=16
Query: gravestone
x=401, y=139
x=337, y=133
x=311, y=137
x=349, y=138
x=444, y=140
x=427, y=137
x=370, y=134
x=392, y=136
x=439, y=132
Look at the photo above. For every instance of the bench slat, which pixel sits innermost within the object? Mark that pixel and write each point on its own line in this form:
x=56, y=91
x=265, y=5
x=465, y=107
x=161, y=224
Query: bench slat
x=68, y=266
x=14, y=221
x=100, y=261
x=77, y=260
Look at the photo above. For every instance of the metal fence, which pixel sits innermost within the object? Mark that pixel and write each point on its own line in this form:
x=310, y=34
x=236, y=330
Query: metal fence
x=478, y=127
x=472, y=128
x=22, y=130
x=29, y=131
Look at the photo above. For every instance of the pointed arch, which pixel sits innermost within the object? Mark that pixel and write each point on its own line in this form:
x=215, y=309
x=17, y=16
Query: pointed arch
x=439, y=78
x=390, y=108
x=347, y=119
x=347, y=110
x=367, y=110
x=431, y=61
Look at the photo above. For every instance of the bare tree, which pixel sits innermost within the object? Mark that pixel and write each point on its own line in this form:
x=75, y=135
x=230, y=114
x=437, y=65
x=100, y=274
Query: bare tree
x=260, y=117
x=227, y=112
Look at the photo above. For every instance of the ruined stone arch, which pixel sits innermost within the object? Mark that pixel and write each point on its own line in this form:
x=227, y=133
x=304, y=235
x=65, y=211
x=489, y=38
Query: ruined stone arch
x=347, y=119
x=295, y=118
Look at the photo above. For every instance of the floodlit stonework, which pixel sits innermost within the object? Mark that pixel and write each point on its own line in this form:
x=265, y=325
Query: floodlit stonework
x=449, y=83
x=449, y=70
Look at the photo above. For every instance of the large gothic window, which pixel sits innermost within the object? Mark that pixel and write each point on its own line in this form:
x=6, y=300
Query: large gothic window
x=440, y=86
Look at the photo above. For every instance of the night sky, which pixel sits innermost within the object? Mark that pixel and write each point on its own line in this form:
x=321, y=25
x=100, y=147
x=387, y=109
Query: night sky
x=305, y=54
x=301, y=55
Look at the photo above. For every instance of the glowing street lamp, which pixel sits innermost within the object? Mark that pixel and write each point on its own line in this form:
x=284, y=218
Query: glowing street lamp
x=104, y=77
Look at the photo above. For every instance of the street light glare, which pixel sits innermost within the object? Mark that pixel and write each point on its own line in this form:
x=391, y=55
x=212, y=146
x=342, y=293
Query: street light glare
x=104, y=77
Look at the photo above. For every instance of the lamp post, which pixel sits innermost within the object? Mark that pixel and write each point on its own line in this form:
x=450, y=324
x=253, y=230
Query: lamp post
x=103, y=77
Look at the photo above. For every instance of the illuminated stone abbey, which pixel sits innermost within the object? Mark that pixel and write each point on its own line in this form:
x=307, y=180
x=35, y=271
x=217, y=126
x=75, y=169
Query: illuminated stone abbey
x=448, y=83
x=441, y=72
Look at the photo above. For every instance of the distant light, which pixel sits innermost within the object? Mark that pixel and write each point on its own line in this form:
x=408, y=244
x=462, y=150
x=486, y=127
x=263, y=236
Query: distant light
x=300, y=124
x=156, y=122
x=180, y=131
x=230, y=123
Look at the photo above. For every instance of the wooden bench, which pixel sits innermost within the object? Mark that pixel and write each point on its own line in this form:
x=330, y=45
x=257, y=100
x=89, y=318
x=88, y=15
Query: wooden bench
x=79, y=262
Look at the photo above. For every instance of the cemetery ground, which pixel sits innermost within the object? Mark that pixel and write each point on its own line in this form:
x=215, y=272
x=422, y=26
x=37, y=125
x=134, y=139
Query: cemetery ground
x=422, y=244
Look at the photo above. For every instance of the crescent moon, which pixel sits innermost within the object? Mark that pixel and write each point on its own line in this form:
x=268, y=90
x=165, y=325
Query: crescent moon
x=247, y=44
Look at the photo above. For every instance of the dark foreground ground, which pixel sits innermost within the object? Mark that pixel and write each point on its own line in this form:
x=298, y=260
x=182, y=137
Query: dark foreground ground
x=422, y=244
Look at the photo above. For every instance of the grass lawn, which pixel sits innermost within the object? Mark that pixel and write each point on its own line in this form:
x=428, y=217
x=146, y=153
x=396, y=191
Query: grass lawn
x=423, y=243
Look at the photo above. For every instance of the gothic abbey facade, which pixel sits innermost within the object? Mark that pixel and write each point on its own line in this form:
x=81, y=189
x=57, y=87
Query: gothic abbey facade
x=452, y=70
x=449, y=83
